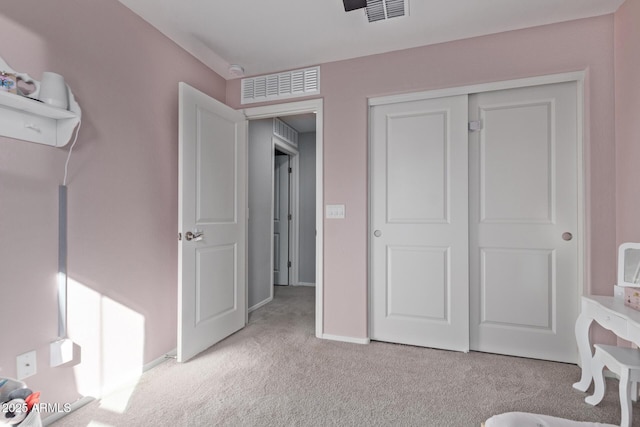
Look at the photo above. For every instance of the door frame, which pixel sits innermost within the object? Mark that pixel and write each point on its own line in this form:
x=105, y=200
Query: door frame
x=294, y=229
x=582, y=233
x=290, y=109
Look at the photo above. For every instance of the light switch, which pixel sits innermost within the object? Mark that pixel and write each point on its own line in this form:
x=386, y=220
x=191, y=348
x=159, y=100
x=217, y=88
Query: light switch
x=335, y=211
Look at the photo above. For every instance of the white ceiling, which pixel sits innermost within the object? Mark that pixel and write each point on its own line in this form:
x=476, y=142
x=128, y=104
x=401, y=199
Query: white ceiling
x=302, y=122
x=266, y=36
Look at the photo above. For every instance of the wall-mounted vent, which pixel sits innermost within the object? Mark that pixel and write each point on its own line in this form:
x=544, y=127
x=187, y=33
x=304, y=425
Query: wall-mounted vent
x=285, y=132
x=285, y=85
x=377, y=10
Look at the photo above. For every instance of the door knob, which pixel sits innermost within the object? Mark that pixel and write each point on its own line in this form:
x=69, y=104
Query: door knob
x=567, y=236
x=197, y=236
x=377, y=233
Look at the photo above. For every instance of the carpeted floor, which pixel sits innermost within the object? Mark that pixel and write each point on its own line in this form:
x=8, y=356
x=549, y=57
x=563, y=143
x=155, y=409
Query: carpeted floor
x=276, y=373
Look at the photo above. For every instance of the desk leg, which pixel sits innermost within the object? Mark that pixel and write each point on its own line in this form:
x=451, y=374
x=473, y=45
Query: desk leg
x=599, y=384
x=584, y=349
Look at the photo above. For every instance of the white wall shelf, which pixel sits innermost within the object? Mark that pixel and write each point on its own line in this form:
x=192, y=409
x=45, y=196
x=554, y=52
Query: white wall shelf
x=31, y=120
x=32, y=106
x=27, y=119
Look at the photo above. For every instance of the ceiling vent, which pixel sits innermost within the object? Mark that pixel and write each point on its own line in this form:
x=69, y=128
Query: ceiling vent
x=378, y=10
x=285, y=132
x=290, y=84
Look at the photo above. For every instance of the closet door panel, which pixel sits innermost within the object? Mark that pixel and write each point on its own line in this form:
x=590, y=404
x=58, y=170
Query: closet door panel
x=417, y=168
x=523, y=197
x=419, y=223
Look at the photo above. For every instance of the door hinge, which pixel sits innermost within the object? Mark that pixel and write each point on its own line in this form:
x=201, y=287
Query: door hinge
x=290, y=217
x=290, y=170
x=289, y=264
x=475, y=125
x=179, y=236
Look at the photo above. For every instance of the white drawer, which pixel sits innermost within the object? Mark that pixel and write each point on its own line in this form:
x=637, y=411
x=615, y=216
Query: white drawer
x=611, y=321
x=605, y=318
x=633, y=332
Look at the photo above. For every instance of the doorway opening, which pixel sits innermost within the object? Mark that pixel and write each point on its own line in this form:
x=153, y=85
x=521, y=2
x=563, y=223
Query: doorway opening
x=213, y=217
x=282, y=217
x=284, y=198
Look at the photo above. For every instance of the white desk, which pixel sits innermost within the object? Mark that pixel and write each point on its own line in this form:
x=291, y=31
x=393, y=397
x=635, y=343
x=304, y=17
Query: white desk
x=610, y=313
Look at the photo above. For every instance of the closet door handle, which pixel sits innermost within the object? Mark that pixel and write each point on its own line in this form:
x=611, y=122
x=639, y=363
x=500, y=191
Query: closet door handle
x=377, y=233
x=567, y=236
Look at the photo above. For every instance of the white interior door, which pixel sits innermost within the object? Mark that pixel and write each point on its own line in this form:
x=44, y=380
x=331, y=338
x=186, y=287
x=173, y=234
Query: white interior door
x=523, y=199
x=281, y=220
x=212, y=220
x=419, y=223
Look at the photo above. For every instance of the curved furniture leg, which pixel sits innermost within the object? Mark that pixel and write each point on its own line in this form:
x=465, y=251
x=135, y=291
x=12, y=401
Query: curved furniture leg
x=584, y=349
x=625, y=399
x=597, y=367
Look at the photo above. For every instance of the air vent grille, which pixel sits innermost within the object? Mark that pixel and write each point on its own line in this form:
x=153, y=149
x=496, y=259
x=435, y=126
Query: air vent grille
x=375, y=10
x=289, y=84
x=395, y=8
x=285, y=132
x=297, y=84
x=273, y=86
x=378, y=10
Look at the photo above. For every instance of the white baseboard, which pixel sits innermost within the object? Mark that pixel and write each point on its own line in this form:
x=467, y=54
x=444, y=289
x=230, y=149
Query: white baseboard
x=74, y=407
x=260, y=304
x=168, y=355
x=346, y=339
x=305, y=284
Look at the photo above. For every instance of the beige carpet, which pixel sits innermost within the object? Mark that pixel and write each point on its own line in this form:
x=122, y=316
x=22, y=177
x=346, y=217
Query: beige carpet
x=276, y=373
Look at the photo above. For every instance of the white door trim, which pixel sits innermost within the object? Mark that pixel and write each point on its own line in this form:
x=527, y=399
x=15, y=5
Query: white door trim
x=576, y=76
x=481, y=87
x=294, y=200
x=302, y=107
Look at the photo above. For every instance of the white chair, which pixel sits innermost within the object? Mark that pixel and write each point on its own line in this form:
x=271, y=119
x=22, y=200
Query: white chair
x=625, y=362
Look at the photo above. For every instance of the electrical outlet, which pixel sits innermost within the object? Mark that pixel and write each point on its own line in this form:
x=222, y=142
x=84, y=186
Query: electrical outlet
x=26, y=365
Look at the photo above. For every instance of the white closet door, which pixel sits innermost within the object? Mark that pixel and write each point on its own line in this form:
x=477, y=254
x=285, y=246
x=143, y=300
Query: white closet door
x=419, y=223
x=523, y=197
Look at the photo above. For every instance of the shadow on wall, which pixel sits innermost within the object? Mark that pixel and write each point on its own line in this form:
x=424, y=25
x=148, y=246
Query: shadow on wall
x=111, y=338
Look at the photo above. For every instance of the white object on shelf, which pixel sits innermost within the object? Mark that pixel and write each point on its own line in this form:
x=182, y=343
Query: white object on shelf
x=26, y=118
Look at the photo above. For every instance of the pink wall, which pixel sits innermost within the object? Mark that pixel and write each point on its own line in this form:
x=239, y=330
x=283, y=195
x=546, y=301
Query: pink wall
x=123, y=174
x=577, y=45
x=122, y=180
x=627, y=70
